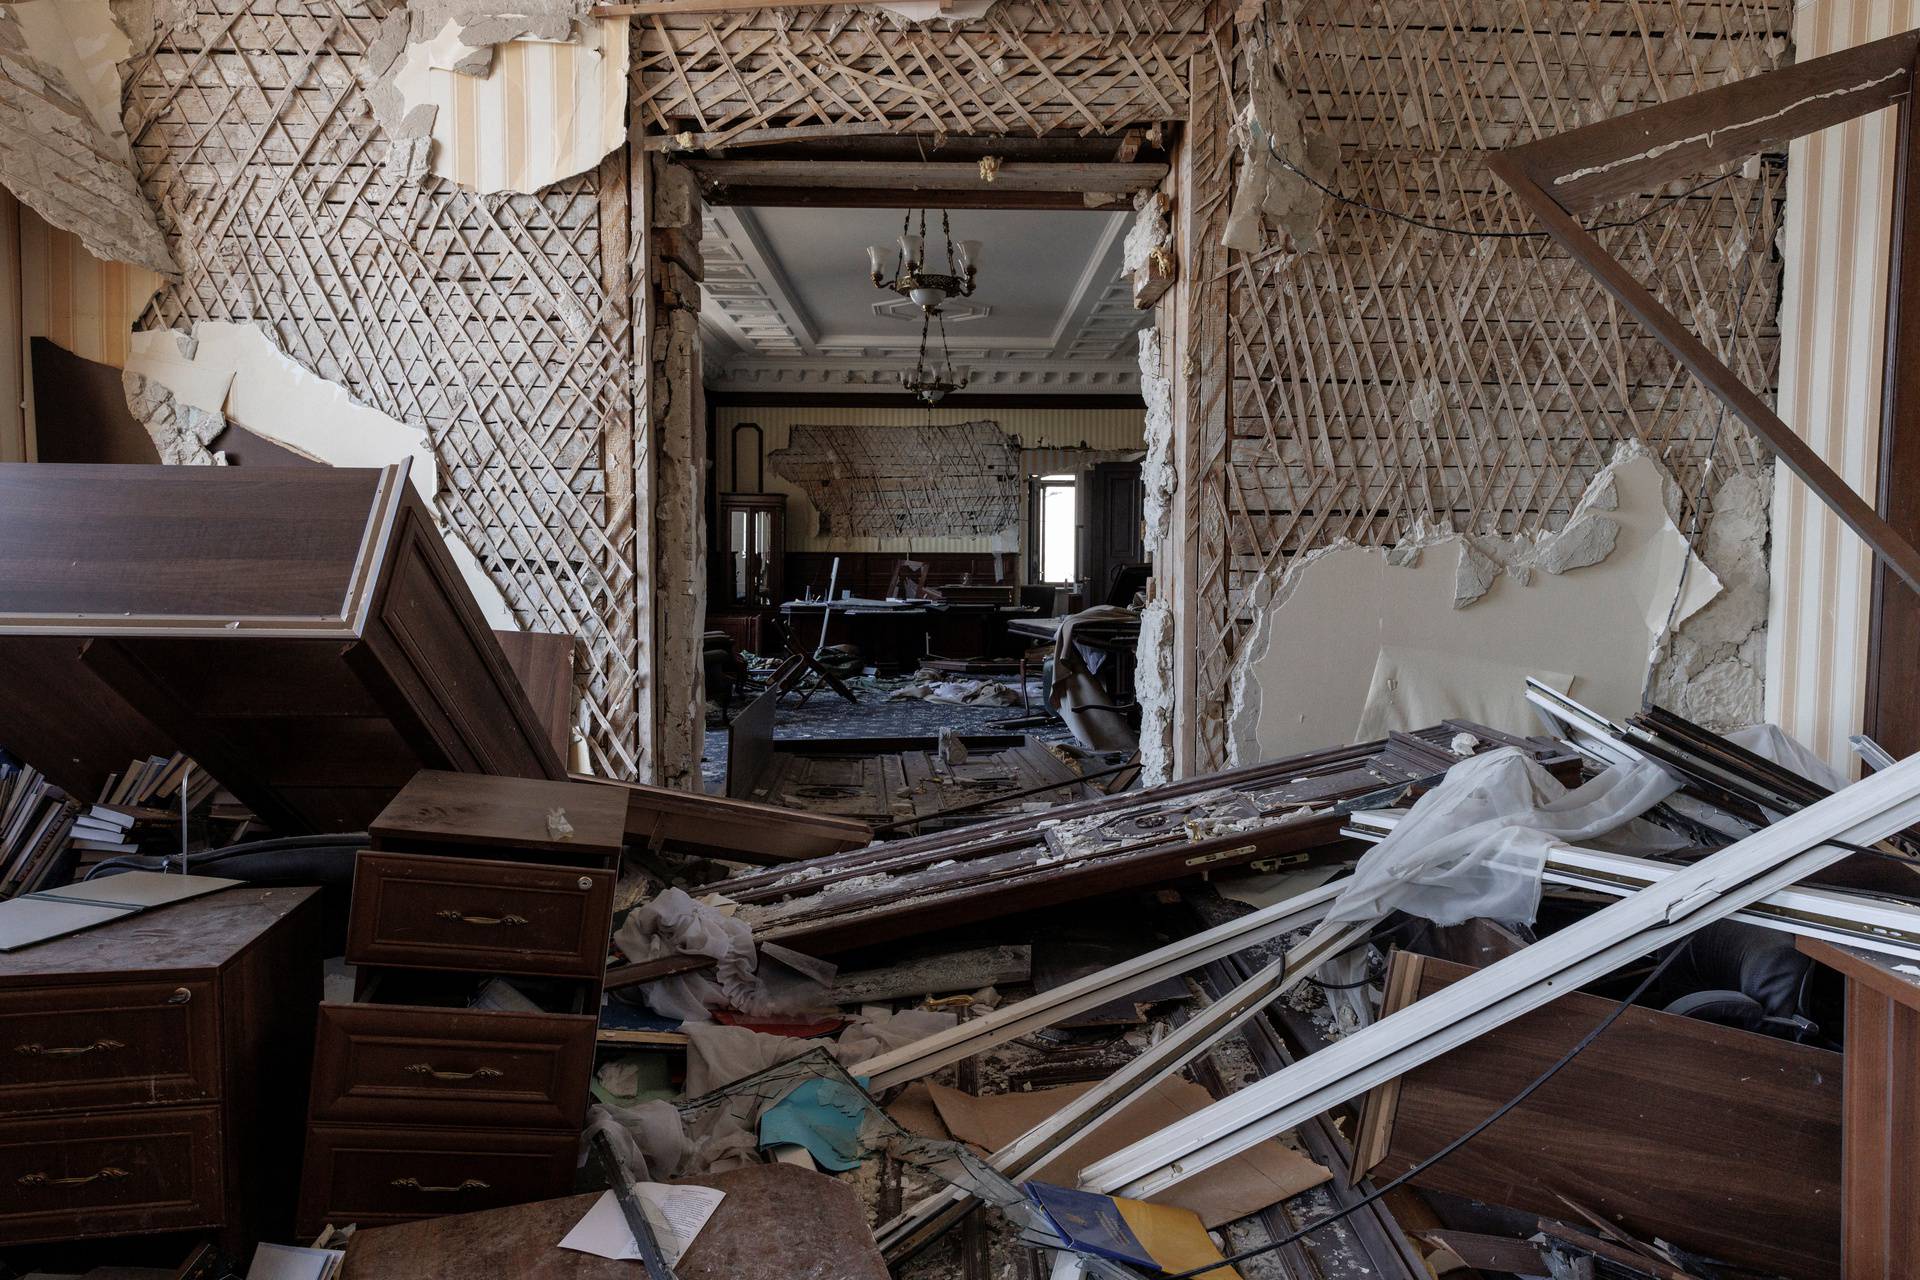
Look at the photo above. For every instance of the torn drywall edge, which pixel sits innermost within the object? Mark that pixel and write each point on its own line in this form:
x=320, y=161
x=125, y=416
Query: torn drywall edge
x=1712, y=667
x=236, y=370
x=1344, y=603
x=58, y=159
x=1153, y=689
x=544, y=110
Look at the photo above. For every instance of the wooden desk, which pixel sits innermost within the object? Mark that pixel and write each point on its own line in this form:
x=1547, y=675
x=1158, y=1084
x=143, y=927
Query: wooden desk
x=891, y=637
x=1880, y=1117
x=778, y=1222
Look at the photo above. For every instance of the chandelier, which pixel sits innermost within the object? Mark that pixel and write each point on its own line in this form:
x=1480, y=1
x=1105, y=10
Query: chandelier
x=927, y=384
x=912, y=277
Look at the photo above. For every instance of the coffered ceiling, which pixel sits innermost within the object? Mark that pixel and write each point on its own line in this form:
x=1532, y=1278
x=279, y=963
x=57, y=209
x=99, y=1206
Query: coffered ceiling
x=788, y=301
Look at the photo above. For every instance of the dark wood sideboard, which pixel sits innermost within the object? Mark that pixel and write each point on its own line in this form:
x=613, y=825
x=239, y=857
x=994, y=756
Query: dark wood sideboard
x=303, y=634
x=150, y=1071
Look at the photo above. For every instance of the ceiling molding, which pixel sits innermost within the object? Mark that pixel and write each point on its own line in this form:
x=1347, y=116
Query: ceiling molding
x=758, y=331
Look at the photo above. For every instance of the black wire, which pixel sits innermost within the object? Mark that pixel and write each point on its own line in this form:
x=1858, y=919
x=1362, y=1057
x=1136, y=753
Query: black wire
x=1645, y=984
x=1475, y=233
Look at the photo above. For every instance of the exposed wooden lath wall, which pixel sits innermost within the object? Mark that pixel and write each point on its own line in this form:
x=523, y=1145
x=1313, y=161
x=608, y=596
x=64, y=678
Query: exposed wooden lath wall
x=1387, y=375
x=484, y=320
x=1028, y=67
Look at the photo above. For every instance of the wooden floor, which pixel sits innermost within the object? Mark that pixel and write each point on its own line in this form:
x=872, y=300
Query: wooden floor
x=886, y=780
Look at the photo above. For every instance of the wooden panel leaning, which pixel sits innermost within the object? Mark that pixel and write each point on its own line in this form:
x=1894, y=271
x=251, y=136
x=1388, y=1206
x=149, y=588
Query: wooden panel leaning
x=303, y=635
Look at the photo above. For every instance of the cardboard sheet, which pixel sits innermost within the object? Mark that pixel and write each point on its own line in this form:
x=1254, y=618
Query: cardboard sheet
x=1246, y=1184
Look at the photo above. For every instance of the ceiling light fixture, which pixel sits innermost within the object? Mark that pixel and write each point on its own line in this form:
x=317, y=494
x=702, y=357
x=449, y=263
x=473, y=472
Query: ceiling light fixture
x=926, y=384
x=911, y=278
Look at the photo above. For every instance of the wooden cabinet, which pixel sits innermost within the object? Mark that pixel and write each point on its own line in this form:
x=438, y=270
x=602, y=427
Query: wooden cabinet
x=303, y=634
x=150, y=1071
x=421, y=1105
x=472, y=915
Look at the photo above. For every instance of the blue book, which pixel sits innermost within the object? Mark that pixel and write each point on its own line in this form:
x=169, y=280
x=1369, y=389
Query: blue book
x=1091, y=1223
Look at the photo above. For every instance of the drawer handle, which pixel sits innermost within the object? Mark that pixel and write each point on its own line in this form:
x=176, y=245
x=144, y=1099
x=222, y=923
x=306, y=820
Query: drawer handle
x=66, y=1051
x=109, y=1173
x=478, y=1073
x=414, y=1184
x=463, y=918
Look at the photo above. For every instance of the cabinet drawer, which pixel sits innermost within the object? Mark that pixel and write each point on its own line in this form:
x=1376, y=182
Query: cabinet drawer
x=107, y=1045
x=470, y=915
x=409, y=1064
x=375, y=1176
x=117, y=1173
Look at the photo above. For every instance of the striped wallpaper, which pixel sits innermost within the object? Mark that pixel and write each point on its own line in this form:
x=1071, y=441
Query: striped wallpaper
x=1832, y=326
x=1041, y=429
x=71, y=297
x=546, y=111
x=13, y=338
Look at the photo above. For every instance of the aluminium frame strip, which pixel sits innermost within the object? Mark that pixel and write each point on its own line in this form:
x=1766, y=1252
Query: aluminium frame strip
x=1716, y=887
x=1884, y=926
x=918, y=1226
x=977, y=1035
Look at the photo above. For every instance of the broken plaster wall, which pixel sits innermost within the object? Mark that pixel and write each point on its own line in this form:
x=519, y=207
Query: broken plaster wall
x=1159, y=477
x=912, y=481
x=62, y=150
x=495, y=97
x=186, y=387
x=675, y=437
x=1351, y=641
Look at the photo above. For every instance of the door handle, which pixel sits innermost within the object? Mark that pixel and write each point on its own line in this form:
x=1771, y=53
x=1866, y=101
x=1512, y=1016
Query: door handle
x=414, y=1184
x=478, y=1073
x=67, y=1051
x=109, y=1173
x=461, y=917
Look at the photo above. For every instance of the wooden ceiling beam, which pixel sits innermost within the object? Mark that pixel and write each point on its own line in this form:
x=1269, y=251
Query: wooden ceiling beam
x=1644, y=150
x=928, y=176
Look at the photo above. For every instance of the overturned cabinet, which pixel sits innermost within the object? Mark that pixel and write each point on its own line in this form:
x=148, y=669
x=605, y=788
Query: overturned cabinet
x=457, y=1079
x=305, y=635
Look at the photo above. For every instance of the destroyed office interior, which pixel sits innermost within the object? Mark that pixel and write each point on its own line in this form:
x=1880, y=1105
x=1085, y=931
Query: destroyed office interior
x=959, y=640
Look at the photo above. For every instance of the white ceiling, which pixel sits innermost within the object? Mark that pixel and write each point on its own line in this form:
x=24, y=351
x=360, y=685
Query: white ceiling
x=788, y=301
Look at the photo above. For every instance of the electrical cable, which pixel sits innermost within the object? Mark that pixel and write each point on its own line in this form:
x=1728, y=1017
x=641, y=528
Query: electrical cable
x=1476, y=233
x=1532, y=1087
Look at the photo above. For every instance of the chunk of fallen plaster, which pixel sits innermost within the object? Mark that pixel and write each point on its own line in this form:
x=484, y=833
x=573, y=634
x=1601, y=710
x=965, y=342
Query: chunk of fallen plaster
x=1473, y=575
x=181, y=432
x=1585, y=541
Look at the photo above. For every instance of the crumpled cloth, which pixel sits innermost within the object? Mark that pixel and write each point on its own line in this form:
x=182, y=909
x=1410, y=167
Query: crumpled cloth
x=768, y=983
x=1477, y=843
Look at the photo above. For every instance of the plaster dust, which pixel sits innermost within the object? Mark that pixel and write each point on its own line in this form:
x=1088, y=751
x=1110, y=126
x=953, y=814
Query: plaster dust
x=1588, y=605
x=234, y=371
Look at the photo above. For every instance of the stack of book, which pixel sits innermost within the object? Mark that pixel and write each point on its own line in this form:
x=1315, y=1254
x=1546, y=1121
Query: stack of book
x=36, y=818
x=139, y=807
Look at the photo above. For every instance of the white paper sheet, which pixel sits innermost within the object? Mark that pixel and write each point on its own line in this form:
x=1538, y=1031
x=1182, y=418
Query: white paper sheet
x=676, y=1214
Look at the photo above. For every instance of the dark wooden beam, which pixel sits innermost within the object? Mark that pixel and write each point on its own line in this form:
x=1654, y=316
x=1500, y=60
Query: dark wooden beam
x=881, y=198
x=901, y=400
x=928, y=175
x=1646, y=149
x=1892, y=711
